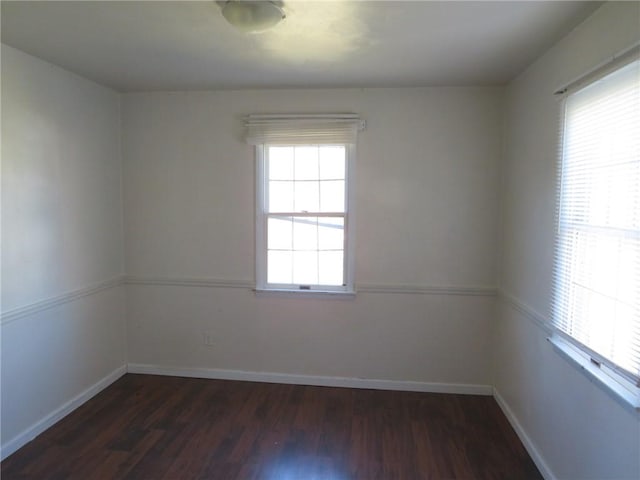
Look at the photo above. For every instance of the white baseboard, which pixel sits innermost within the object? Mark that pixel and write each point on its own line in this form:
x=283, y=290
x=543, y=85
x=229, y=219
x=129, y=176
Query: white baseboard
x=313, y=380
x=37, y=428
x=524, y=438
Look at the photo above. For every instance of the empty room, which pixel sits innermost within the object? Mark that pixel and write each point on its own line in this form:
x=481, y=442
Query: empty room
x=330, y=240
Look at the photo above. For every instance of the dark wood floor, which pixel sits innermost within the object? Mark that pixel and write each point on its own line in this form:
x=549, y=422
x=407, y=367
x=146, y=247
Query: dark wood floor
x=152, y=427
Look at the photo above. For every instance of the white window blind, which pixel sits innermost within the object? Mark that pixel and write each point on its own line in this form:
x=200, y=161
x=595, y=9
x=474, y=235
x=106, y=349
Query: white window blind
x=302, y=129
x=596, y=303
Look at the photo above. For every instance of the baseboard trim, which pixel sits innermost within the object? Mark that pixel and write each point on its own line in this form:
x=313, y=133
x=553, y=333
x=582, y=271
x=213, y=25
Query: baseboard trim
x=20, y=312
x=524, y=438
x=320, y=381
x=36, y=429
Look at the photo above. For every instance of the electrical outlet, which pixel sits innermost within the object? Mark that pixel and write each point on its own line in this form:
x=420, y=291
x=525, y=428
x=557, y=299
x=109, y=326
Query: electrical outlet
x=209, y=338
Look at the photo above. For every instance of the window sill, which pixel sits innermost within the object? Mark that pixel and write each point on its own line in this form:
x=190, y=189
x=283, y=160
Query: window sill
x=626, y=393
x=290, y=293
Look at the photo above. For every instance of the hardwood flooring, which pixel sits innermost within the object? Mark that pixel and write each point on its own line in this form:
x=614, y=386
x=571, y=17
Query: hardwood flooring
x=155, y=428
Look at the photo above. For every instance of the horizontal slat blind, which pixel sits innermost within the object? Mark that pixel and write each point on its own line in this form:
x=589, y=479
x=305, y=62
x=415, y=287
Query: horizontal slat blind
x=596, y=301
x=302, y=129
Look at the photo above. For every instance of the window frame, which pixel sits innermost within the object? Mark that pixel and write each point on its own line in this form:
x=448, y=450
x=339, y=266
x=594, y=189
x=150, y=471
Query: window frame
x=262, y=285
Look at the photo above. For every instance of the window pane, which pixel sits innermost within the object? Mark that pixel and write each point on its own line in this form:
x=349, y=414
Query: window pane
x=332, y=162
x=281, y=163
x=280, y=233
x=599, y=333
x=306, y=163
x=332, y=196
x=628, y=278
x=330, y=233
x=598, y=268
x=279, y=267
x=611, y=190
x=305, y=233
x=306, y=197
x=625, y=329
x=281, y=196
x=305, y=268
x=331, y=268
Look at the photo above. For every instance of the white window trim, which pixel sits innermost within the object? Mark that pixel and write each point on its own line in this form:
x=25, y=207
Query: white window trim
x=624, y=391
x=344, y=291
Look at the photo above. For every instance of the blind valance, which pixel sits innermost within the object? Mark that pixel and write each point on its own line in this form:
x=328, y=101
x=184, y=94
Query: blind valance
x=302, y=129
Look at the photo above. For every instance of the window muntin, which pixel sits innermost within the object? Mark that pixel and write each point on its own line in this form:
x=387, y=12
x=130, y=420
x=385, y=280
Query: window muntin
x=303, y=214
x=596, y=302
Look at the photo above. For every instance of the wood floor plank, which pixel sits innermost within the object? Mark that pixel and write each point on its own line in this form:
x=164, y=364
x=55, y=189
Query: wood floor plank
x=152, y=427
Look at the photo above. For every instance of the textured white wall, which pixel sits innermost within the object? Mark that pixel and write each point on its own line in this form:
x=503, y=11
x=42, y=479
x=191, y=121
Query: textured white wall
x=61, y=232
x=578, y=428
x=427, y=192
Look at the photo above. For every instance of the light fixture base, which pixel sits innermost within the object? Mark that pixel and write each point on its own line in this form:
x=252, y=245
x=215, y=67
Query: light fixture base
x=253, y=16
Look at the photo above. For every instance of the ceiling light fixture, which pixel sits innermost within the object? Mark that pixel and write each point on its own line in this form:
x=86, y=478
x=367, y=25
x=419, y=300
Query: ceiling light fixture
x=250, y=16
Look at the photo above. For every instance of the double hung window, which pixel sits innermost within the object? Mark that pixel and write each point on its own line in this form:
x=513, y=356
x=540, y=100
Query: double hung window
x=304, y=202
x=596, y=305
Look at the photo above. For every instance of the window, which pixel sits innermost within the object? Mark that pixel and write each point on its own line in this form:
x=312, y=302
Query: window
x=304, y=202
x=596, y=305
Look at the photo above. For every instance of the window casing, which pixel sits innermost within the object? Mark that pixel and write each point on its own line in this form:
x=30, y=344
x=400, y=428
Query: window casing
x=304, y=201
x=596, y=298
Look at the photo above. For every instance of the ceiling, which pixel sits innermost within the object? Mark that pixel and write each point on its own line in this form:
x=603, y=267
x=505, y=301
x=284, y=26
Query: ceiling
x=187, y=45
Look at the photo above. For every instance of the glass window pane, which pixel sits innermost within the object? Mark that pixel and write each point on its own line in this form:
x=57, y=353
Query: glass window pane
x=605, y=266
x=305, y=267
x=280, y=196
x=305, y=233
x=628, y=279
x=280, y=233
x=306, y=163
x=625, y=320
x=611, y=190
x=330, y=233
x=281, y=163
x=332, y=162
x=306, y=197
x=279, y=266
x=599, y=307
x=332, y=196
x=331, y=268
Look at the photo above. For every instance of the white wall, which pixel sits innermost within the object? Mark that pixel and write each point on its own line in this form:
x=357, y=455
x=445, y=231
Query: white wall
x=579, y=430
x=62, y=247
x=427, y=193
